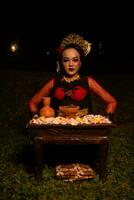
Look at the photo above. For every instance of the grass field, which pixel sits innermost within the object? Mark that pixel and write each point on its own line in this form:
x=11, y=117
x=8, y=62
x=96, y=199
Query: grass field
x=16, y=149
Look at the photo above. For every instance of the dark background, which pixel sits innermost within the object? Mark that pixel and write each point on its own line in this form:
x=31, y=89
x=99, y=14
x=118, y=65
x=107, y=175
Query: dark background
x=39, y=32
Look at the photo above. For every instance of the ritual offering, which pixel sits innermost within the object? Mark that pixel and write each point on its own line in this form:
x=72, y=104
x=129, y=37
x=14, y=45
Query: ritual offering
x=86, y=120
x=75, y=171
x=47, y=110
x=69, y=111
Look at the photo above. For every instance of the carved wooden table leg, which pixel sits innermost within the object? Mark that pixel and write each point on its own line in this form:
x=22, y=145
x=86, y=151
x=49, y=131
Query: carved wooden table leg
x=103, y=159
x=39, y=157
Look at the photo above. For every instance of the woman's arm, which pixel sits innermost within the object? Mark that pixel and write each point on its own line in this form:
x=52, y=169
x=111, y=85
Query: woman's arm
x=110, y=101
x=36, y=99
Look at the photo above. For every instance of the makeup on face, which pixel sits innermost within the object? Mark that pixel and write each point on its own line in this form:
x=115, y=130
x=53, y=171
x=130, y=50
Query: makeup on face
x=71, y=61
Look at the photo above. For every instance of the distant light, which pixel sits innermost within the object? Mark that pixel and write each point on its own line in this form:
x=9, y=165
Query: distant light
x=47, y=52
x=13, y=47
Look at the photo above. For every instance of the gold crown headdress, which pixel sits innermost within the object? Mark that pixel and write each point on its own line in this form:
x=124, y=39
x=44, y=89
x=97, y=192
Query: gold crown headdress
x=76, y=39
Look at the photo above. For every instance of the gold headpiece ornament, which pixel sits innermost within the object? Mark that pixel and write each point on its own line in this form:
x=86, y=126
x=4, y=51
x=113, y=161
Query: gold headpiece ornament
x=76, y=39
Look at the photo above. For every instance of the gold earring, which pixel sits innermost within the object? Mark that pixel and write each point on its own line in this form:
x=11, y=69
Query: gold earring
x=58, y=67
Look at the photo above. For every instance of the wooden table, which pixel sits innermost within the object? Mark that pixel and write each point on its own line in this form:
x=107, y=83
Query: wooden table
x=75, y=135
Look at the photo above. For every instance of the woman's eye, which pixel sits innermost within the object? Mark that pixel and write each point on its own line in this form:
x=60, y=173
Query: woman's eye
x=76, y=60
x=65, y=60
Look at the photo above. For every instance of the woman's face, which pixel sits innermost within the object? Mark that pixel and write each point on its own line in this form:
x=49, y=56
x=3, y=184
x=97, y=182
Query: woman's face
x=71, y=61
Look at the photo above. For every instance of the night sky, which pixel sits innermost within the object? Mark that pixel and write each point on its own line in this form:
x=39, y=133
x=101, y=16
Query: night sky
x=38, y=35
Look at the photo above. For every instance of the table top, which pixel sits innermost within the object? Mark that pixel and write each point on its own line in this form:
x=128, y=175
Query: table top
x=85, y=122
x=69, y=126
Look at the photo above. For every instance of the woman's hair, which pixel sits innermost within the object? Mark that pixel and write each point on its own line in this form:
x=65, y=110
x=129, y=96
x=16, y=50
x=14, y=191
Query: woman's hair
x=77, y=48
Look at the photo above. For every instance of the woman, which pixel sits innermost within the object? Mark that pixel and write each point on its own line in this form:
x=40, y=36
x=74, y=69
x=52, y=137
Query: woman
x=69, y=87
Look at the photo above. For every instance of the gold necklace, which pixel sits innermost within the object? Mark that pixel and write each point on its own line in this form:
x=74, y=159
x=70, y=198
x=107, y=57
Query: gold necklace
x=68, y=80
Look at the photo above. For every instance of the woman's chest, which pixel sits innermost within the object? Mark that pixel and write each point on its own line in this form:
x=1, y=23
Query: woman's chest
x=76, y=92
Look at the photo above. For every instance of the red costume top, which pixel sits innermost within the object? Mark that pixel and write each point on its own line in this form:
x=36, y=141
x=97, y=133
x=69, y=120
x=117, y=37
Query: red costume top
x=76, y=92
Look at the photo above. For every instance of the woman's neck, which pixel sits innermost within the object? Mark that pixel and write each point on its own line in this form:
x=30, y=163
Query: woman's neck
x=71, y=78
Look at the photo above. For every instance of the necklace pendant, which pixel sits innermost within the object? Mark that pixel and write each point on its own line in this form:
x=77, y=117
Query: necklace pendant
x=68, y=93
